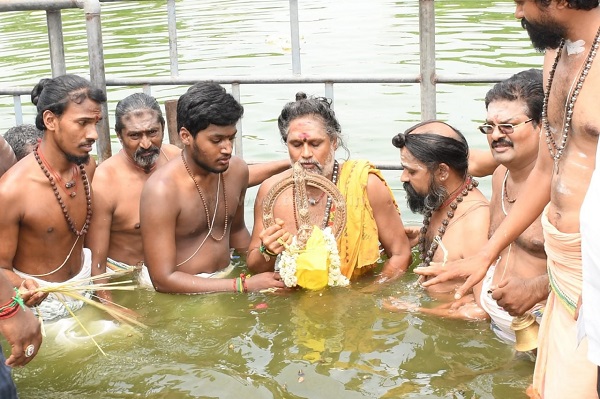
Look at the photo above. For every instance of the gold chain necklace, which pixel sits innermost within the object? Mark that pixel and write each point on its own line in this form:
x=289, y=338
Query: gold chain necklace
x=221, y=180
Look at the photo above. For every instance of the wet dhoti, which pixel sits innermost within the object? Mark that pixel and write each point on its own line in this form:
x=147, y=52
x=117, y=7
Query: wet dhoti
x=562, y=369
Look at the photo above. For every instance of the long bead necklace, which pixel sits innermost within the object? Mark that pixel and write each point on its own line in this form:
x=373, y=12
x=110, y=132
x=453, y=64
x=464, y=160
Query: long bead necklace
x=221, y=181
x=463, y=191
x=556, y=150
x=88, y=196
x=329, y=203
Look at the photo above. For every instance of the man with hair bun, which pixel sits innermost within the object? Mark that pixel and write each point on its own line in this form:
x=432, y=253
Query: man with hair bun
x=46, y=198
x=437, y=185
x=312, y=133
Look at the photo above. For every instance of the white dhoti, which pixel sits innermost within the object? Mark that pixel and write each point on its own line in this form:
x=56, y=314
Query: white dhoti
x=53, y=307
x=500, y=319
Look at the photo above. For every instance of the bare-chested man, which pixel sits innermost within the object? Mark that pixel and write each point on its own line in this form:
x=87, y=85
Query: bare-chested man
x=517, y=282
x=192, y=209
x=46, y=197
x=435, y=161
x=115, y=236
x=556, y=186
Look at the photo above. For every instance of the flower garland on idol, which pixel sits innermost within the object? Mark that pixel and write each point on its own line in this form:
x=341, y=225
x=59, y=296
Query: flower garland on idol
x=312, y=260
x=288, y=259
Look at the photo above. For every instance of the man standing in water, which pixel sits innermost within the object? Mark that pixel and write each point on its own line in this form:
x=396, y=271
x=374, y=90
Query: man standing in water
x=184, y=247
x=46, y=198
x=556, y=186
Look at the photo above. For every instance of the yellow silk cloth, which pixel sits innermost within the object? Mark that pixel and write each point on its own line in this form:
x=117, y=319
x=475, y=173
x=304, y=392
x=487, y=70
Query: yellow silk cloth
x=562, y=369
x=359, y=243
x=312, y=265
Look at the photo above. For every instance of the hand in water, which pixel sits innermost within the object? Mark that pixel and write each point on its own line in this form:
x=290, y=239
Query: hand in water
x=471, y=269
x=262, y=281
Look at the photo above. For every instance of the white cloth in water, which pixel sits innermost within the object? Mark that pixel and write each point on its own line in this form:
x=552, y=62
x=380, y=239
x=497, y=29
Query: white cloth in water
x=52, y=308
x=500, y=319
x=145, y=281
x=589, y=219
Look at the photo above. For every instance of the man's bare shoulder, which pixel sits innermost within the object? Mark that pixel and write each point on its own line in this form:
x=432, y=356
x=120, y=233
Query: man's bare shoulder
x=109, y=168
x=170, y=150
x=21, y=173
x=266, y=185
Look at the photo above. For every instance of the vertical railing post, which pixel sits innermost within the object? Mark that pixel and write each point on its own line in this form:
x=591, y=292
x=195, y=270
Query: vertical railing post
x=97, y=71
x=56, y=42
x=295, y=30
x=427, y=54
x=172, y=21
x=236, y=93
x=329, y=92
x=18, y=109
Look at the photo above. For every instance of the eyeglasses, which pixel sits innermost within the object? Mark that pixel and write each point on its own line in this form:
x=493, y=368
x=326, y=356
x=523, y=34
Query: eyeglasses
x=504, y=128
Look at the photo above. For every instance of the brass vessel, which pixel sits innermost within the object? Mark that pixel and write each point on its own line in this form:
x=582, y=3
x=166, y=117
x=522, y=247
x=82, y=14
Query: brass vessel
x=526, y=330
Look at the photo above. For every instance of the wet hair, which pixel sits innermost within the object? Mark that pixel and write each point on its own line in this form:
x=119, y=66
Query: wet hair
x=526, y=86
x=317, y=107
x=55, y=94
x=432, y=148
x=133, y=104
x=204, y=104
x=22, y=139
x=574, y=4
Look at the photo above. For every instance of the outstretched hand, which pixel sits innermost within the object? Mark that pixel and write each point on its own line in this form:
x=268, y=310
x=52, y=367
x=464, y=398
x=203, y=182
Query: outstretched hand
x=471, y=269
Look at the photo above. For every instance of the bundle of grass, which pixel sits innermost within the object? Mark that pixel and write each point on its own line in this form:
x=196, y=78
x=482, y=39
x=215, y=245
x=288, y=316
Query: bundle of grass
x=78, y=290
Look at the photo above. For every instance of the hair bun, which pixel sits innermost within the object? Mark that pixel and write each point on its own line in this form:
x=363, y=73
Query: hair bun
x=37, y=90
x=301, y=96
x=399, y=140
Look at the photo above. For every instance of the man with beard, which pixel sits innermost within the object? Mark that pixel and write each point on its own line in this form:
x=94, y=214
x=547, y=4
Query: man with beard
x=435, y=161
x=309, y=128
x=556, y=188
x=517, y=282
x=46, y=197
x=114, y=237
x=192, y=209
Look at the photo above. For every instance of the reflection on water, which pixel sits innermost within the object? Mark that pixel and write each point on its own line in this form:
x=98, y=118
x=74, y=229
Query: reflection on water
x=339, y=341
x=329, y=344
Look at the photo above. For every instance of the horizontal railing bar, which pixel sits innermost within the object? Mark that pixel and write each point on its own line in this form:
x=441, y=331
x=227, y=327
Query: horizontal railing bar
x=29, y=5
x=169, y=81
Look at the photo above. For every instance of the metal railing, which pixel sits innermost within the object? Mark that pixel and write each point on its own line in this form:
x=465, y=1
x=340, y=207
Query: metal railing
x=427, y=78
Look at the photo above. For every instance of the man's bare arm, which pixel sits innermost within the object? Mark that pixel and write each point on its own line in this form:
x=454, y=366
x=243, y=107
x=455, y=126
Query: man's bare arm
x=481, y=163
x=7, y=156
x=261, y=171
x=390, y=229
x=98, y=237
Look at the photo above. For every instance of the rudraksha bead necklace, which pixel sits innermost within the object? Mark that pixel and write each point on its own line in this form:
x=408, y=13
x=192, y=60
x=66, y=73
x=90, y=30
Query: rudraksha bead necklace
x=86, y=187
x=462, y=192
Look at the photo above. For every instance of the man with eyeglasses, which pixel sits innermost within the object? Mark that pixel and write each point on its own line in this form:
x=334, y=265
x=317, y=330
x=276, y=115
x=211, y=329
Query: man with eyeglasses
x=517, y=281
x=556, y=188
